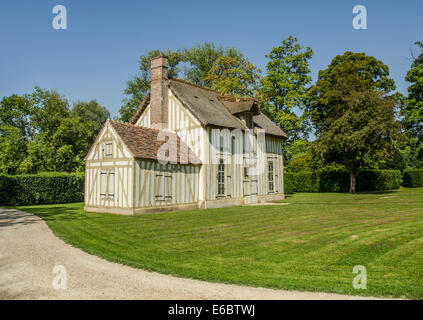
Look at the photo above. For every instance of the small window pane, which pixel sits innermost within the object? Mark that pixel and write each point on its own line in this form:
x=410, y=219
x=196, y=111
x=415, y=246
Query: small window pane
x=221, y=178
x=270, y=175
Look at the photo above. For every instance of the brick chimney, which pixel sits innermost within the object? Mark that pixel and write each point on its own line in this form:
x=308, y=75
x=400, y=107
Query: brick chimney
x=159, y=93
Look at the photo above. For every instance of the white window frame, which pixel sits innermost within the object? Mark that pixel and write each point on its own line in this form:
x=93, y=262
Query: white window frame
x=271, y=174
x=221, y=188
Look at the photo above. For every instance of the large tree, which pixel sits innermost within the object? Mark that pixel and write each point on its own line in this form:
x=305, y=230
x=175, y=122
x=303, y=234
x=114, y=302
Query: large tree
x=15, y=131
x=139, y=86
x=93, y=113
x=284, y=92
x=353, y=113
x=223, y=69
x=39, y=132
x=412, y=110
x=233, y=74
x=199, y=60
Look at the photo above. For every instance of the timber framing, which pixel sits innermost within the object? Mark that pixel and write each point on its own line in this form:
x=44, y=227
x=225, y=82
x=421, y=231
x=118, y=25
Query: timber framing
x=227, y=166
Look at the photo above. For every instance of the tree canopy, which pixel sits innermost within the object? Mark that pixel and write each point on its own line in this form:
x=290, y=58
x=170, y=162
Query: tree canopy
x=284, y=92
x=39, y=132
x=223, y=69
x=413, y=111
x=351, y=107
x=346, y=73
x=137, y=88
x=353, y=114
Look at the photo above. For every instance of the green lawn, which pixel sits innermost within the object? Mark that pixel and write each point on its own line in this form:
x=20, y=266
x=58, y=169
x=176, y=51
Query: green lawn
x=311, y=244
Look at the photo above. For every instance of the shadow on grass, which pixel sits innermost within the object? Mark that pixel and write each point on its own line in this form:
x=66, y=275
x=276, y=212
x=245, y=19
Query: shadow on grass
x=376, y=192
x=56, y=213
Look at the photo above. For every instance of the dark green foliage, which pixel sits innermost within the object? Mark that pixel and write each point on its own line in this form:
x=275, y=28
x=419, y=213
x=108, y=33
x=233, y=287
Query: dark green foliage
x=44, y=188
x=412, y=111
x=353, y=114
x=306, y=181
x=285, y=89
x=223, y=69
x=288, y=182
x=40, y=133
x=338, y=180
x=7, y=188
x=413, y=178
x=376, y=180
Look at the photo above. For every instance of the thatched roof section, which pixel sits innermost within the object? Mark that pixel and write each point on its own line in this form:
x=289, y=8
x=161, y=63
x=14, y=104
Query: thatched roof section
x=212, y=108
x=205, y=105
x=271, y=128
x=238, y=105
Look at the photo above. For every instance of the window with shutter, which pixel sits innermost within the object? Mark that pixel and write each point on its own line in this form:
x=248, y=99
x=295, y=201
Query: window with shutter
x=111, y=184
x=108, y=149
x=168, y=186
x=103, y=183
x=107, y=183
x=159, y=186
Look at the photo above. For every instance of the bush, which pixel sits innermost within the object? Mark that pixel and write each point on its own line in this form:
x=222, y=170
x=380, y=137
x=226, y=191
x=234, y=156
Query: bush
x=45, y=188
x=413, y=178
x=338, y=180
x=288, y=182
x=376, y=180
x=300, y=164
x=335, y=180
x=301, y=182
x=7, y=189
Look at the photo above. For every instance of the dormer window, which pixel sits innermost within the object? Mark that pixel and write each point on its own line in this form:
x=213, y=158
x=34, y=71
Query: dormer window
x=248, y=117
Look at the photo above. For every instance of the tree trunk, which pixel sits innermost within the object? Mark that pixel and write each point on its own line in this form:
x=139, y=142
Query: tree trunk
x=352, y=182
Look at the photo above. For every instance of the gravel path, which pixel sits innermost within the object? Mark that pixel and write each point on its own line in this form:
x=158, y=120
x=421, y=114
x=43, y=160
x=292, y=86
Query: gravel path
x=29, y=251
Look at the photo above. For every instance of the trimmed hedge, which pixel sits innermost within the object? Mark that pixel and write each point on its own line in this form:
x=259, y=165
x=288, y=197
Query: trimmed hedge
x=413, y=178
x=7, y=189
x=45, y=188
x=339, y=181
x=377, y=180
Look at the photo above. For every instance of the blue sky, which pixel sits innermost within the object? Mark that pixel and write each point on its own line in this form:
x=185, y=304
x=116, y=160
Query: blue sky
x=99, y=51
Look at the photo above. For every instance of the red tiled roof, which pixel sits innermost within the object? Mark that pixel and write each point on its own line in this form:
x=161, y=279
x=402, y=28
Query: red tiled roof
x=144, y=143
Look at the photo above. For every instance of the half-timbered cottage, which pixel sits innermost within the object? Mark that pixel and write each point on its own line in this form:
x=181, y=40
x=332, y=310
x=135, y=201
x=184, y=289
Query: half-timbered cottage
x=185, y=147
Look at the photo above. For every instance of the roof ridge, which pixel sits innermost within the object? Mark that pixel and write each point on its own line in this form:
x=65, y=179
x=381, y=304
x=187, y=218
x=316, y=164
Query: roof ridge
x=220, y=94
x=235, y=98
x=193, y=84
x=136, y=126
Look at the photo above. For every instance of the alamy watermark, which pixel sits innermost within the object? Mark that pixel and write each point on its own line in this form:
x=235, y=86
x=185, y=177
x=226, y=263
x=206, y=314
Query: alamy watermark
x=239, y=147
x=360, y=280
x=60, y=281
x=360, y=20
x=60, y=20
